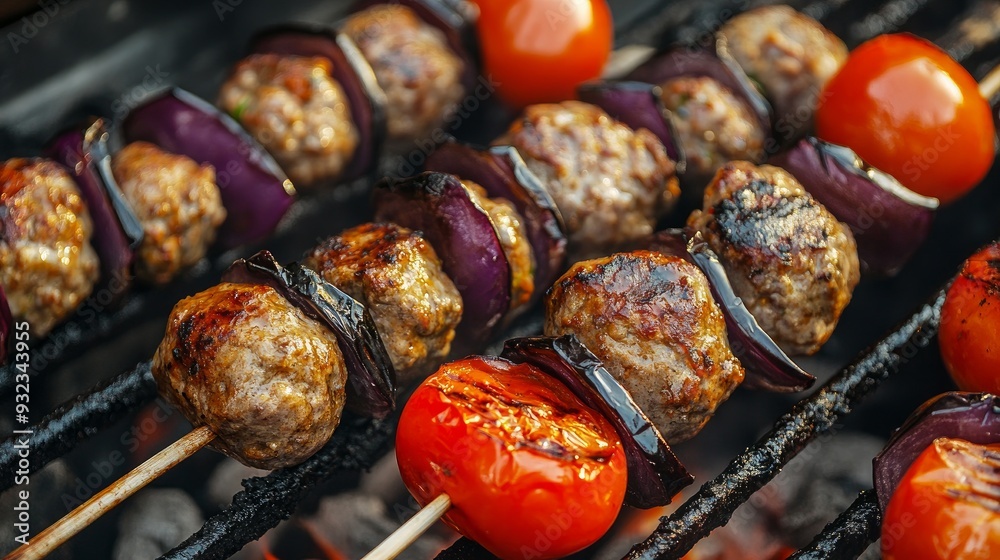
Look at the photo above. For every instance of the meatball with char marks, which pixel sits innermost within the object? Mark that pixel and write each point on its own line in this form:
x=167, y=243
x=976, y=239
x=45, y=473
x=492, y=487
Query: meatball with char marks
x=421, y=76
x=297, y=110
x=609, y=182
x=177, y=203
x=266, y=379
x=47, y=265
x=651, y=319
x=397, y=275
x=788, y=258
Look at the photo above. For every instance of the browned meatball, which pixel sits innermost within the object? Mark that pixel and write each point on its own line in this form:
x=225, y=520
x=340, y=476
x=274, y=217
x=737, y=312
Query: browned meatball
x=610, y=183
x=47, y=264
x=397, y=275
x=421, y=76
x=651, y=319
x=297, y=110
x=265, y=378
x=510, y=228
x=178, y=204
x=788, y=53
x=714, y=126
x=793, y=264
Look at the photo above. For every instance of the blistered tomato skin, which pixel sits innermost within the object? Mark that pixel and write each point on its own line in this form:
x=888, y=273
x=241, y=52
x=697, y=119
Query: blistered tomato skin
x=539, y=51
x=970, y=324
x=531, y=471
x=909, y=109
x=947, y=506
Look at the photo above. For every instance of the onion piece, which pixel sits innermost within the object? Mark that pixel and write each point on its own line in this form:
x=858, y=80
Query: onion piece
x=117, y=230
x=766, y=364
x=715, y=63
x=355, y=76
x=456, y=19
x=973, y=417
x=888, y=220
x=501, y=171
x=655, y=475
x=371, y=389
x=254, y=189
x=639, y=105
x=463, y=235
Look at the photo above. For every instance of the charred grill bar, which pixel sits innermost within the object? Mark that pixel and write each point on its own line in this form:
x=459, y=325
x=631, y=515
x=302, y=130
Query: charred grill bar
x=358, y=443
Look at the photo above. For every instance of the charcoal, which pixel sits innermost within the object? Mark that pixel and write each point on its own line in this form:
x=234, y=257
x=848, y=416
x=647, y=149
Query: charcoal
x=154, y=521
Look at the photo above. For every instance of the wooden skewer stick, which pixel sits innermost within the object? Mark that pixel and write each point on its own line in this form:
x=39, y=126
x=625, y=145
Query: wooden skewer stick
x=411, y=530
x=59, y=532
x=989, y=86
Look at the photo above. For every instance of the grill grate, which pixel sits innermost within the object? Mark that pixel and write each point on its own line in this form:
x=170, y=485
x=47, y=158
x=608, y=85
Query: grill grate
x=358, y=443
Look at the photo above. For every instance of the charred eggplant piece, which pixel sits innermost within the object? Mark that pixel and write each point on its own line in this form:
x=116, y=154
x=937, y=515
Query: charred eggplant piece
x=255, y=191
x=463, y=235
x=372, y=381
x=767, y=366
x=655, y=475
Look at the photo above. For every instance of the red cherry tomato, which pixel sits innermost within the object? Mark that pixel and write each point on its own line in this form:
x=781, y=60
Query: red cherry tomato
x=532, y=472
x=540, y=50
x=946, y=505
x=909, y=109
x=970, y=324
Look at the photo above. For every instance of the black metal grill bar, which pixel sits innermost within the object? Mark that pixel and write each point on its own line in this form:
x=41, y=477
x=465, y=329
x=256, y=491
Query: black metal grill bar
x=715, y=502
x=849, y=534
x=76, y=420
x=266, y=501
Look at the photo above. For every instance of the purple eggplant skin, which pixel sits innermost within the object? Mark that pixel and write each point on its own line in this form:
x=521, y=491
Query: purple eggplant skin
x=639, y=105
x=371, y=389
x=716, y=63
x=254, y=189
x=973, y=417
x=355, y=76
x=118, y=233
x=456, y=19
x=766, y=364
x=501, y=171
x=655, y=475
x=889, y=221
x=462, y=234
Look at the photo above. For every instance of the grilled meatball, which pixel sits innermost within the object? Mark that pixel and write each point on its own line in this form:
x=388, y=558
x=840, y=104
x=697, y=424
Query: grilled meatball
x=510, y=228
x=788, y=53
x=793, y=264
x=397, y=275
x=713, y=124
x=178, y=204
x=610, y=183
x=47, y=264
x=297, y=110
x=651, y=319
x=265, y=378
x=421, y=76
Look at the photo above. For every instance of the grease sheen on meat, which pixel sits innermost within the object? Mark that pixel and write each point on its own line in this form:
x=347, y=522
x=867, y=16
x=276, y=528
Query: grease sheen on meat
x=610, y=183
x=297, y=110
x=265, y=378
x=714, y=125
x=421, y=76
x=397, y=275
x=178, y=204
x=788, y=258
x=651, y=319
x=47, y=264
x=788, y=53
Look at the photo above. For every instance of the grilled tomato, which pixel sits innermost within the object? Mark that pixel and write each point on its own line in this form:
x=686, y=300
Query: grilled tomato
x=531, y=471
x=970, y=324
x=909, y=109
